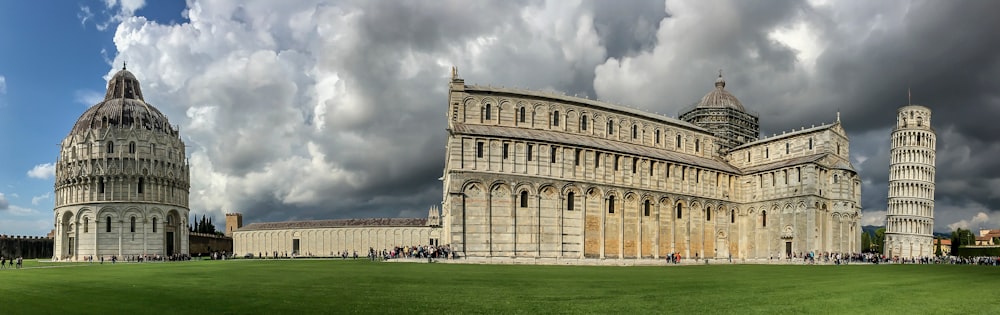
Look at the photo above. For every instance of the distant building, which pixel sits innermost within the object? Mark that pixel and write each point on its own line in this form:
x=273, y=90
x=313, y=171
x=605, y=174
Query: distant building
x=986, y=236
x=121, y=186
x=324, y=238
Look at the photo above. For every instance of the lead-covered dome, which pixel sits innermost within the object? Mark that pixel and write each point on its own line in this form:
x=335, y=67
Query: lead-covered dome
x=123, y=107
x=720, y=98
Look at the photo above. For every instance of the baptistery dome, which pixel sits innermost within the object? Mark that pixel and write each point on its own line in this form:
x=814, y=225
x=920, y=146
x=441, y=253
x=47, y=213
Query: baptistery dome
x=123, y=107
x=122, y=181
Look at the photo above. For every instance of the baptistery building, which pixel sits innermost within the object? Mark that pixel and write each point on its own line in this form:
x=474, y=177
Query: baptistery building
x=539, y=174
x=121, y=186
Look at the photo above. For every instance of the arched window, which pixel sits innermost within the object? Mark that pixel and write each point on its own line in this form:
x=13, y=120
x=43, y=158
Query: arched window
x=154, y=224
x=86, y=224
x=810, y=143
x=152, y=149
x=788, y=147
x=920, y=121
x=521, y=114
x=611, y=204
x=111, y=147
x=555, y=118
x=763, y=218
x=635, y=131
x=107, y=224
x=680, y=210
x=132, y=224
x=708, y=213
x=732, y=216
x=570, y=197
x=524, y=199
x=100, y=186
x=611, y=127
x=657, y=136
x=583, y=123
x=488, y=113
x=645, y=208
x=139, y=188
x=131, y=147
x=678, y=141
x=697, y=145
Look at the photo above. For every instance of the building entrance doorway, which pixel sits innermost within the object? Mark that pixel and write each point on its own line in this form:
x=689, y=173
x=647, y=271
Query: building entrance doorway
x=170, y=243
x=71, y=253
x=788, y=249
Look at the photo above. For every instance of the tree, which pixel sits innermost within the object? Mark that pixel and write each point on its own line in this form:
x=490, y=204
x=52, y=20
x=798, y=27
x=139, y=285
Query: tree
x=866, y=241
x=996, y=241
x=879, y=240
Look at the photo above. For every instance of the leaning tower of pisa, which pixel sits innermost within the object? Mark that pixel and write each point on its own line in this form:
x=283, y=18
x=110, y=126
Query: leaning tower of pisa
x=910, y=212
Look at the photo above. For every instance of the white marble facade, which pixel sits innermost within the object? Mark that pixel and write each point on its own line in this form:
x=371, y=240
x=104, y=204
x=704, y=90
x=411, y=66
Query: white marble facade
x=910, y=212
x=121, y=181
x=540, y=174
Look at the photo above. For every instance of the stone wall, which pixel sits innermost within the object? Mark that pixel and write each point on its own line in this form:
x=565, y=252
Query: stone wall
x=204, y=244
x=29, y=247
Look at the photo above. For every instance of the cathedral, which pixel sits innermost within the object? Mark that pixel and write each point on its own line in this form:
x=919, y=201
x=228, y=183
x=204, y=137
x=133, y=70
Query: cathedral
x=121, y=186
x=531, y=174
x=544, y=175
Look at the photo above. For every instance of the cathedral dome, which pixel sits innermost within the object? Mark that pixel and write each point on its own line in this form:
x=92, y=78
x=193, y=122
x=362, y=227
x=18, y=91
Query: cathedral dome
x=720, y=98
x=123, y=107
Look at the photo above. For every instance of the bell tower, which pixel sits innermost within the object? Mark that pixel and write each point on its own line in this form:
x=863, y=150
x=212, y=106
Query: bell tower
x=910, y=212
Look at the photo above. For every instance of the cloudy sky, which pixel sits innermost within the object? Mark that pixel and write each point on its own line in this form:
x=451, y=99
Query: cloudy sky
x=320, y=110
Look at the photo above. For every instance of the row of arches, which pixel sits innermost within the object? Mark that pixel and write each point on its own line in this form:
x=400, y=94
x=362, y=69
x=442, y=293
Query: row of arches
x=913, y=117
x=899, y=189
x=911, y=172
x=121, y=188
x=323, y=242
x=525, y=219
x=575, y=119
x=918, y=155
x=910, y=226
x=113, y=231
x=910, y=208
x=913, y=138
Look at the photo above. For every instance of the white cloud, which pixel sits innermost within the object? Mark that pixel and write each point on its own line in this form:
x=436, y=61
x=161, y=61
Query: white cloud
x=43, y=171
x=38, y=199
x=336, y=110
x=873, y=217
x=3, y=85
x=114, y=11
x=88, y=97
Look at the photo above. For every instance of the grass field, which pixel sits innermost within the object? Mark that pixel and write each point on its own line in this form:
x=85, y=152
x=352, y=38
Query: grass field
x=329, y=286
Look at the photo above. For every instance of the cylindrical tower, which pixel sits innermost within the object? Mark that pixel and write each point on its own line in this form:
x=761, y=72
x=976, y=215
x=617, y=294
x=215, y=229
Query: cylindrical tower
x=122, y=181
x=910, y=212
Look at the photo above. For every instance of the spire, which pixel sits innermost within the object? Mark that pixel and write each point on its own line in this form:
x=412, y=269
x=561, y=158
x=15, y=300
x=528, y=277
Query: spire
x=909, y=97
x=124, y=65
x=838, y=116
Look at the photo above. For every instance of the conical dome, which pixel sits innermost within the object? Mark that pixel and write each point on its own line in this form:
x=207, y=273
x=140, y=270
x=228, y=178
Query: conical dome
x=123, y=107
x=720, y=98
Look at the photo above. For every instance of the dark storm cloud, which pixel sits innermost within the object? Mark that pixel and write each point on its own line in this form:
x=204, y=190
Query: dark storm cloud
x=627, y=27
x=947, y=54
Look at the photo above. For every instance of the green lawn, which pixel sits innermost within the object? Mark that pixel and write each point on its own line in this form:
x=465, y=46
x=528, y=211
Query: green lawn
x=327, y=286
